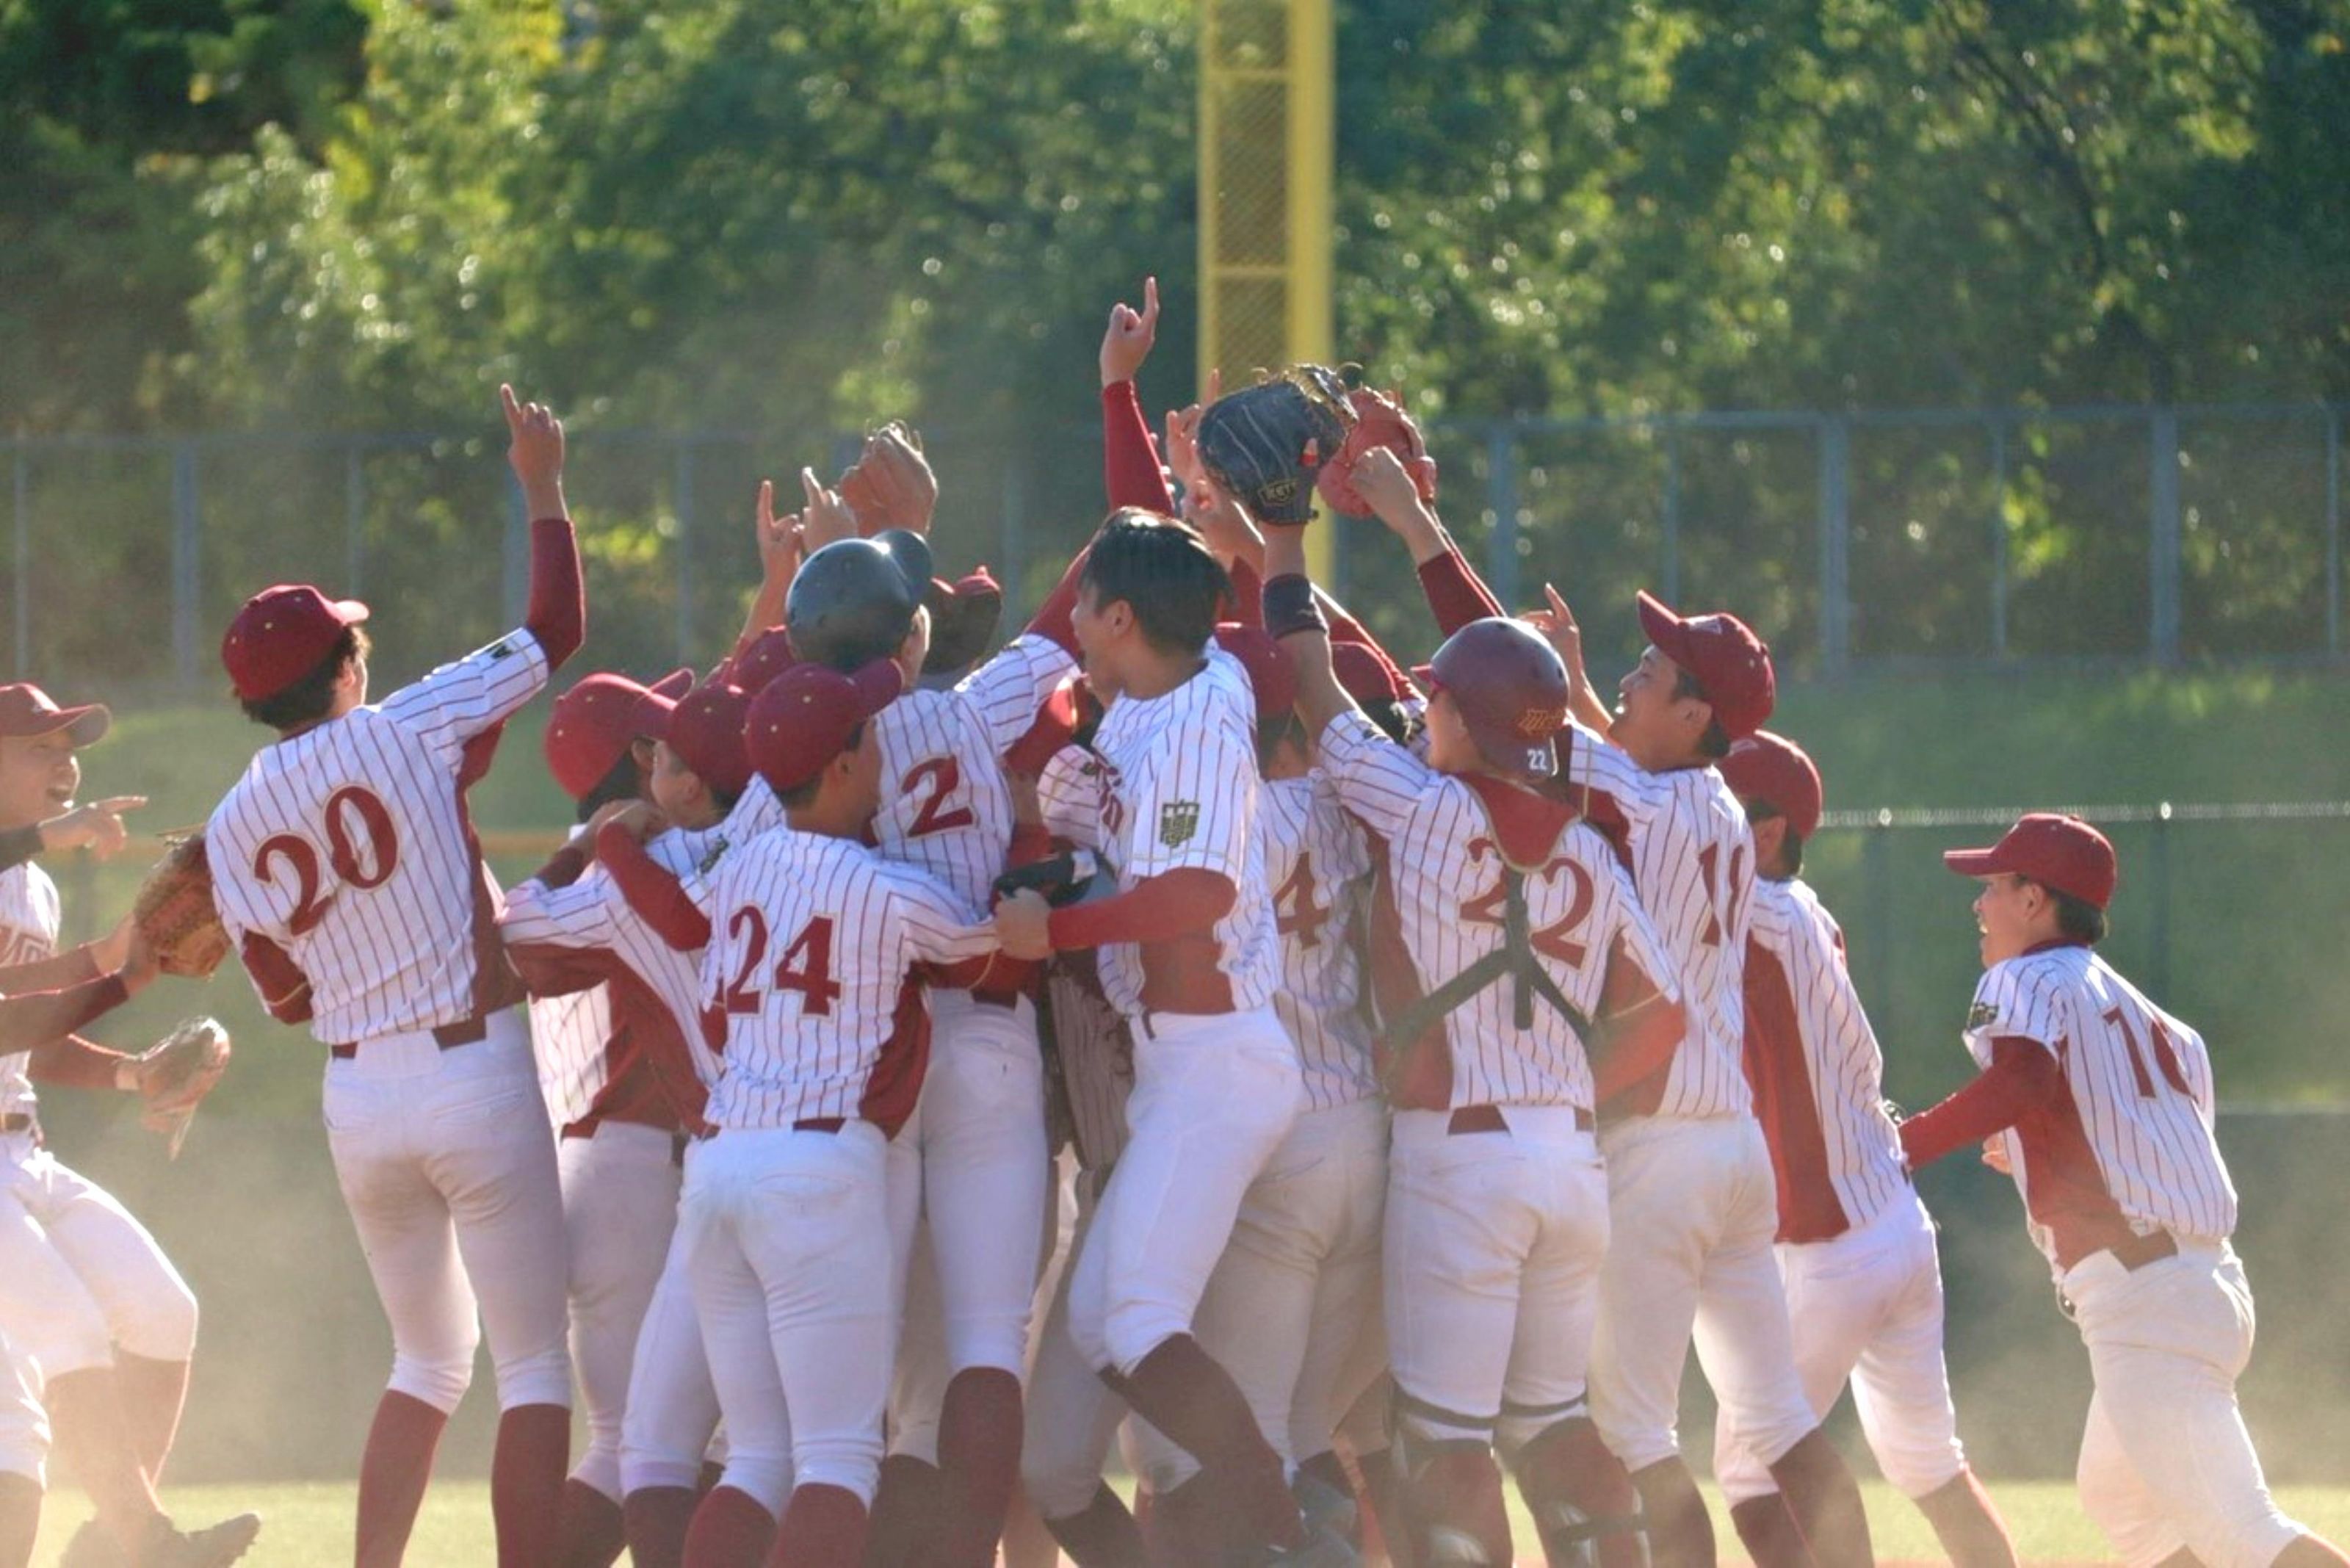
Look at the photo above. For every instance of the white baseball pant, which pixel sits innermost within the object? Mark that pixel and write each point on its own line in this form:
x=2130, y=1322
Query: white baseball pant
x=1695, y=1212
x=84, y=1276
x=447, y=1164
x=787, y=1244
x=23, y=1426
x=1492, y=1270
x=1071, y=1416
x=918, y=1379
x=2165, y=1464
x=620, y=1187
x=1214, y=1096
x=1865, y=1307
x=672, y=1406
x=1287, y=1299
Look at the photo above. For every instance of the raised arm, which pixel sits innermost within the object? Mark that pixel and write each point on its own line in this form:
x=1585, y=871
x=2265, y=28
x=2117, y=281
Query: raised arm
x=557, y=616
x=1292, y=614
x=1130, y=470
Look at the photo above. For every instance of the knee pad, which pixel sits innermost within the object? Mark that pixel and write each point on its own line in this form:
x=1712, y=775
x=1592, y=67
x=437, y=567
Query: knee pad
x=541, y=1377
x=437, y=1382
x=160, y=1323
x=1585, y=1507
x=1519, y=1424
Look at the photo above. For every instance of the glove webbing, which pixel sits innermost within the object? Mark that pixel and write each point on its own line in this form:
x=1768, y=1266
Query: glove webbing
x=1514, y=959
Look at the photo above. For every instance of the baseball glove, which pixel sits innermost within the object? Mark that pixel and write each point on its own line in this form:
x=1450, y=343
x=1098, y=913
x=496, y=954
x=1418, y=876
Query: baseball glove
x=174, y=911
x=1063, y=878
x=1263, y=444
x=963, y=617
x=891, y=485
x=176, y=1072
x=1379, y=421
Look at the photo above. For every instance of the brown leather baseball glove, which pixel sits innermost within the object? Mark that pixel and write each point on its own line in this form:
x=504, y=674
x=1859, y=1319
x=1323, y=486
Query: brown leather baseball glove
x=175, y=914
x=1379, y=421
x=891, y=485
x=176, y=1072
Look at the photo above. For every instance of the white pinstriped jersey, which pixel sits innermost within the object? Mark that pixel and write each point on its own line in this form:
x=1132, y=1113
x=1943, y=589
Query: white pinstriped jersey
x=348, y=846
x=945, y=806
x=2135, y=1142
x=691, y=854
x=1693, y=863
x=1314, y=858
x=1444, y=873
x=568, y=1033
x=1096, y=1059
x=812, y=939
x=1821, y=1090
x=593, y=913
x=1171, y=783
x=30, y=918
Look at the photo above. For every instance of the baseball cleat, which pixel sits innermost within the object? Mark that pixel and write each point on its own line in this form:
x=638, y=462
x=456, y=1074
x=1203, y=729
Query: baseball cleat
x=214, y=1547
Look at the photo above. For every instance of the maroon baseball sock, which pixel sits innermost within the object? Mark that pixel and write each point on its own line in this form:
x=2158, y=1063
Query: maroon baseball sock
x=526, y=1483
x=907, y=1517
x=730, y=1530
x=979, y=1463
x=1769, y=1533
x=823, y=1527
x=1826, y=1501
x=1572, y=1483
x=392, y=1473
x=1103, y=1536
x=1459, y=1490
x=1184, y=1392
x=657, y=1518
x=20, y=1519
x=1680, y=1532
x=591, y=1532
x=1967, y=1525
x=153, y=1392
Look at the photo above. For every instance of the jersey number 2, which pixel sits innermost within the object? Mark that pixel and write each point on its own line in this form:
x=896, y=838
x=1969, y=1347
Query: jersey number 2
x=362, y=847
x=945, y=777
x=806, y=966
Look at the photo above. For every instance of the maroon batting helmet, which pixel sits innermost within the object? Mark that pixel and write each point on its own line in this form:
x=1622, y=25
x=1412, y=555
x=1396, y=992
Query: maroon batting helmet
x=1511, y=689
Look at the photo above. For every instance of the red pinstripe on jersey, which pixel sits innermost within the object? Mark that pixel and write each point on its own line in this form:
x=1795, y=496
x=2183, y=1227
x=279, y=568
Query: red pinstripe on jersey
x=348, y=846
x=2131, y=1146
x=1817, y=1073
x=30, y=918
x=1442, y=871
x=1692, y=859
x=1315, y=858
x=813, y=940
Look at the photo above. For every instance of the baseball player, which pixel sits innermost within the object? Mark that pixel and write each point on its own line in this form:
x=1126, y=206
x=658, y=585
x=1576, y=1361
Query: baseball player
x=1855, y=1245
x=813, y=938
x=1190, y=953
x=1497, y=1211
x=1689, y=1188
x=632, y=1089
x=2100, y=1105
x=346, y=868
x=94, y=1303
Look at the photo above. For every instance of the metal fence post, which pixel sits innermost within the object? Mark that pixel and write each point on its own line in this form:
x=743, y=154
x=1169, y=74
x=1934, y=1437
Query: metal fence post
x=2162, y=504
x=1876, y=874
x=187, y=523
x=354, y=518
x=2332, y=530
x=681, y=547
x=515, y=602
x=1998, y=541
x=24, y=568
x=1012, y=534
x=1673, y=512
x=2159, y=920
x=1835, y=544
x=1501, y=495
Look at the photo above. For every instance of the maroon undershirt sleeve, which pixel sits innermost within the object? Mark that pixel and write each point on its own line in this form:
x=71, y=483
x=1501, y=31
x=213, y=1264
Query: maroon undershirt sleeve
x=52, y=973
x=1156, y=910
x=652, y=891
x=558, y=618
x=38, y=1017
x=1455, y=593
x=1130, y=470
x=285, y=988
x=565, y=866
x=2021, y=1076
x=74, y=1062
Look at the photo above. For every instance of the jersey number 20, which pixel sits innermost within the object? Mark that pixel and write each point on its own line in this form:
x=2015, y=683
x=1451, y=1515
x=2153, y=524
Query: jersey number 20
x=362, y=847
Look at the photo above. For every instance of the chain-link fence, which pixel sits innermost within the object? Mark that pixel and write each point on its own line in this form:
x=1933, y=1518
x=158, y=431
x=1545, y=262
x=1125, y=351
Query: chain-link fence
x=1854, y=541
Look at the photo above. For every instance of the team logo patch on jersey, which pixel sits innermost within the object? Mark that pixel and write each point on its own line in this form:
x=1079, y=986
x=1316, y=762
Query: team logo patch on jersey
x=712, y=855
x=1178, y=820
x=502, y=649
x=1982, y=1013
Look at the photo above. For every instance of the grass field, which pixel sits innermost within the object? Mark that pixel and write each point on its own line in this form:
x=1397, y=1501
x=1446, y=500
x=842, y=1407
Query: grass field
x=309, y=1525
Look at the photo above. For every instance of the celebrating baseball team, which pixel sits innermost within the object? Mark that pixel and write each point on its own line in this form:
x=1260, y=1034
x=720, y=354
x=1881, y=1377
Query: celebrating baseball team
x=929, y=1064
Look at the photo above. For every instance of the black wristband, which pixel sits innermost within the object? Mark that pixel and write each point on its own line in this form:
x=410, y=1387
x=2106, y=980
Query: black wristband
x=1290, y=607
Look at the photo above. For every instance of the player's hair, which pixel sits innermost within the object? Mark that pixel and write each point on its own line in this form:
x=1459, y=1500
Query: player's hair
x=1395, y=719
x=1791, y=843
x=307, y=700
x=624, y=780
x=2076, y=919
x=1715, y=743
x=1162, y=570
x=801, y=795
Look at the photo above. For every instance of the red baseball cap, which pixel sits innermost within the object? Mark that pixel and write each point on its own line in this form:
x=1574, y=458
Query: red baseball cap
x=1773, y=770
x=2054, y=850
x=704, y=728
x=591, y=726
x=769, y=655
x=801, y=722
x=1271, y=674
x=1724, y=655
x=26, y=711
x=280, y=635
x=1365, y=676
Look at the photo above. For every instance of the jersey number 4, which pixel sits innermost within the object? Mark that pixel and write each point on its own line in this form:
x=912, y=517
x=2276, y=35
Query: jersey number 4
x=362, y=847
x=806, y=966
x=1295, y=913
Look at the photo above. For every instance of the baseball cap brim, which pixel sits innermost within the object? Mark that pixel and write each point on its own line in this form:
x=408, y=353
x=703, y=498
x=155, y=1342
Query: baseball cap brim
x=84, y=726
x=1667, y=630
x=1980, y=862
x=675, y=684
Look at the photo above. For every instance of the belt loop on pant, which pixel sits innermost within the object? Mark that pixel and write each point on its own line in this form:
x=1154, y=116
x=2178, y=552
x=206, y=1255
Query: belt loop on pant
x=448, y=1036
x=2138, y=1251
x=1476, y=1119
x=820, y=1124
